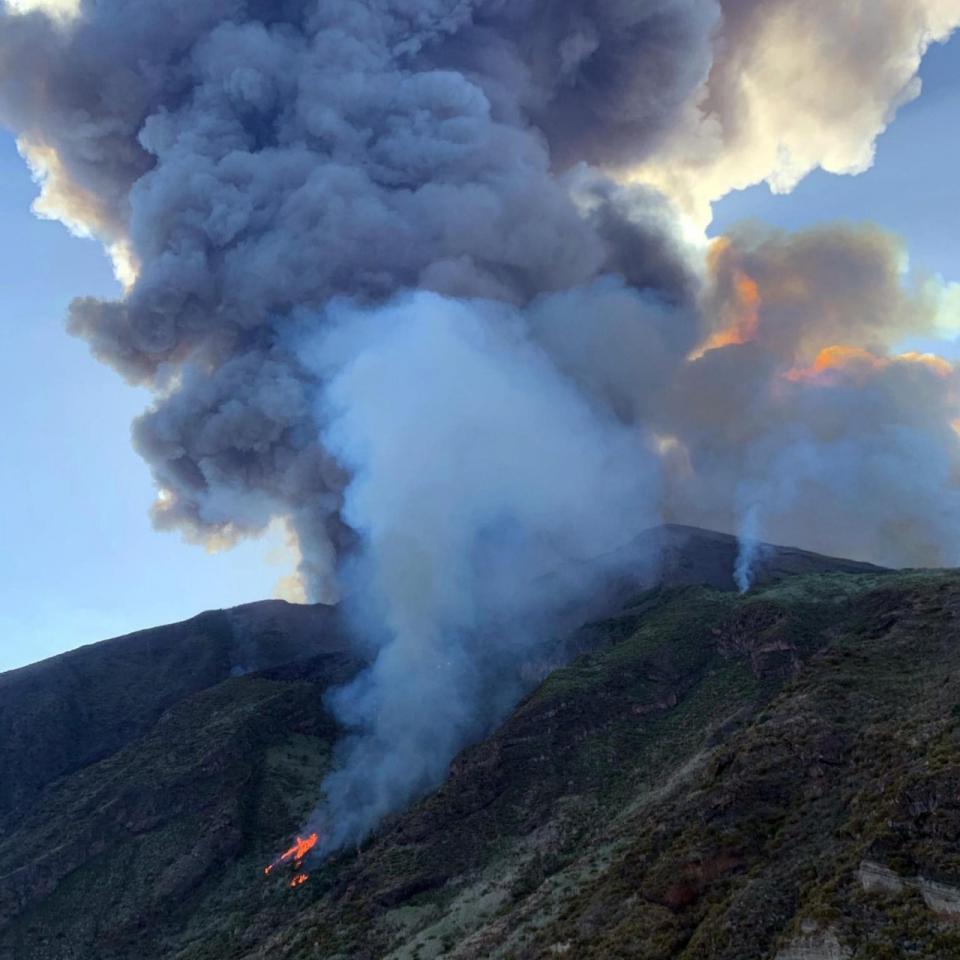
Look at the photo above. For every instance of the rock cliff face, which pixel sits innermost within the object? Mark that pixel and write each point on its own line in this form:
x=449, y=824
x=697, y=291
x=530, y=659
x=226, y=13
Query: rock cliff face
x=720, y=777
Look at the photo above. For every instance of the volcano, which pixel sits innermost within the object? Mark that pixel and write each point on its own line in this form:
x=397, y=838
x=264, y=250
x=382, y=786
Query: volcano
x=714, y=775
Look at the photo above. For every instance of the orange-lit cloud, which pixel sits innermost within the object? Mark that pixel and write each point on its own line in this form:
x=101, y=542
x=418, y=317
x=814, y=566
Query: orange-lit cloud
x=936, y=363
x=741, y=315
x=860, y=364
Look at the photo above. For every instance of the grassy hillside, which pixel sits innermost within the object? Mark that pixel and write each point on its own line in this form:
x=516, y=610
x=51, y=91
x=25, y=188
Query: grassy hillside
x=723, y=777
x=67, y=712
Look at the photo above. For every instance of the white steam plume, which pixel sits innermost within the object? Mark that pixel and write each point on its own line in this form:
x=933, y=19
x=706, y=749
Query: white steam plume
x=479, y=472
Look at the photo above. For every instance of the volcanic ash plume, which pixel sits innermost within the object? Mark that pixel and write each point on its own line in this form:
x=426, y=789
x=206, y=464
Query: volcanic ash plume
x=410, y=276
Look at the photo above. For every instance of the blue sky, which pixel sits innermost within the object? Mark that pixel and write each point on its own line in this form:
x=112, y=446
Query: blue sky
x=911, y=189
x=81, y=560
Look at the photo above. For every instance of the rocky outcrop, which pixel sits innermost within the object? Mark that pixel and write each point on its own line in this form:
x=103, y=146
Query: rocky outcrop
x=816, y=946
x=941, y=898
x=875, y=878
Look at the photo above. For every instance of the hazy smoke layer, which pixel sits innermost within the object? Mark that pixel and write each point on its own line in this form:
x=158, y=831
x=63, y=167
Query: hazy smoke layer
x=805, y=424
x=398, y=272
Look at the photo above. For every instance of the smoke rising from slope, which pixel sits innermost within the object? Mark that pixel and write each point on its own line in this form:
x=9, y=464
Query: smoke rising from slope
x=811, y=431
x=480, y=475
x=273, y=180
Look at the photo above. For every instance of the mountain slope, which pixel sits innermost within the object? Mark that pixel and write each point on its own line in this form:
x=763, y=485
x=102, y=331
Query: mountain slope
x=722, y=782
x=64, y=713
x=687, y=556
x=722, y=776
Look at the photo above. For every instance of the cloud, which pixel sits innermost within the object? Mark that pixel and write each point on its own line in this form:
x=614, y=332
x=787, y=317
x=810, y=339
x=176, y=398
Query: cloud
x=810, y=430
x=56, y=8
x=796, y=85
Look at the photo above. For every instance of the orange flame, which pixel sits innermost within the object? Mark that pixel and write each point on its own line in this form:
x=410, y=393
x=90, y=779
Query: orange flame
x=299, y=880
x=295, y=854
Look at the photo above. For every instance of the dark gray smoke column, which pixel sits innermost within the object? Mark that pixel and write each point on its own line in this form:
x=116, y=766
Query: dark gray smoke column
x=268, y=176
x=250, y=158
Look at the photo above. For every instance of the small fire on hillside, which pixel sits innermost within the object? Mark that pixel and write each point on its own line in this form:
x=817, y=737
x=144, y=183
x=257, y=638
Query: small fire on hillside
x=295, y=856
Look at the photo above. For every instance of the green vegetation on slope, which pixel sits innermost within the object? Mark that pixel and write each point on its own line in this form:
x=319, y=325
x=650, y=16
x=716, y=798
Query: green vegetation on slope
x=722, y=777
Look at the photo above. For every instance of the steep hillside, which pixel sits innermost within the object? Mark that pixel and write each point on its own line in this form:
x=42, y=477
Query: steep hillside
x=64, y=713
x=722, y=777
x=776, y=775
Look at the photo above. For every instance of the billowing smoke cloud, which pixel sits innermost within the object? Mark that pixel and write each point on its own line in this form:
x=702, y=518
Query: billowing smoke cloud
x=409, y=276
x=481, y=474
x=246, y=159
x=807, y=424
x=796, y=85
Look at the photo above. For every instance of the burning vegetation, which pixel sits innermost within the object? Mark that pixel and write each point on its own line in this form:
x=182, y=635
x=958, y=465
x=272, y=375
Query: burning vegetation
x=295, y=856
